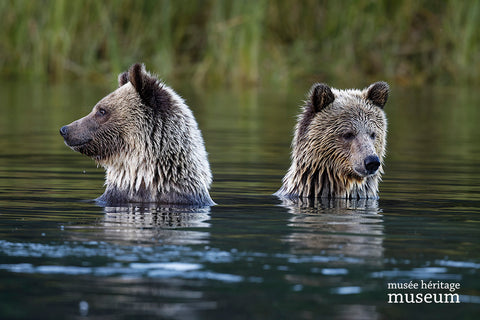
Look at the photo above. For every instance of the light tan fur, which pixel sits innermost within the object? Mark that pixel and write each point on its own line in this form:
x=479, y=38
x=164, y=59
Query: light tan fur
x=148, y=141
x=337, y=134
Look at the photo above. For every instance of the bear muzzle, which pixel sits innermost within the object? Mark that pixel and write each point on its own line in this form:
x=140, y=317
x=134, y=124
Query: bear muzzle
x=73, y=140
x=369, y=166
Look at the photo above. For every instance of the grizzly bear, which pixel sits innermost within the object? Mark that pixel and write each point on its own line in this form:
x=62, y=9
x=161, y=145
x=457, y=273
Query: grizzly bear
x=148, y=141
x=338, y=145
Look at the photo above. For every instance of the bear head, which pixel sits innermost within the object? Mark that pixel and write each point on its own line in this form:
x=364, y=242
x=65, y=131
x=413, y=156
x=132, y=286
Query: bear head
x=147, y=139
x=339, y=143
x=117, y=118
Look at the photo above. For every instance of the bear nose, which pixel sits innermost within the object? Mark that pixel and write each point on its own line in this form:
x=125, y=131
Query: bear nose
x=64, y=130
x=371, y=164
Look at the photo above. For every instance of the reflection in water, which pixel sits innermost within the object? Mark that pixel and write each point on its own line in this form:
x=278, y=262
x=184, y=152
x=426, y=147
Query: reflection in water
x=166, y=227
x=160, y=224
x=117, y=253
x=351, y=229
x=336, y=205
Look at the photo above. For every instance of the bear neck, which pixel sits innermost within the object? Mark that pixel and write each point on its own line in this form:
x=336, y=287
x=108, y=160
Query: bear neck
x=141, y=177
x=318, y=180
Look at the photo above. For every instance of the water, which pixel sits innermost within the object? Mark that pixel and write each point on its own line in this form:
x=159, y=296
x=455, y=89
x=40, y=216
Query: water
x=251, y=256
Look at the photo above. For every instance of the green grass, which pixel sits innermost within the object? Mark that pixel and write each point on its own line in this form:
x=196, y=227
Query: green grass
x=410, y=42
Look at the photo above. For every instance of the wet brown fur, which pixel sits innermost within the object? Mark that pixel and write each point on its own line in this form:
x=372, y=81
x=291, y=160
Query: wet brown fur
x=147, y=139
x=337, y=131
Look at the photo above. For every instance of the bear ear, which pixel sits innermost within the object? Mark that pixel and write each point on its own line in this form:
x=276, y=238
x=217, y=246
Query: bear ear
x=146, y=85
x=320, y=96
x=122, y=78
x=135, y=75
x=377, y=93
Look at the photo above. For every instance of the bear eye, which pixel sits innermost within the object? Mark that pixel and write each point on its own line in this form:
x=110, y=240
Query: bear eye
x=101, y=112
x=348, y=135
x=373, y=135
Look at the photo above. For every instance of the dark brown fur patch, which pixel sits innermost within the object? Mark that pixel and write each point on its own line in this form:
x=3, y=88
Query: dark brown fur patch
x=320, y=96
x=148, y=87
x=135, y=77
x=378, y=93
x=306, y=118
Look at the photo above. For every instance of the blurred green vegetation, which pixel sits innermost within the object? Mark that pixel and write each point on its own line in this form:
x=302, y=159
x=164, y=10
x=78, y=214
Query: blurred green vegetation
x=409, y=42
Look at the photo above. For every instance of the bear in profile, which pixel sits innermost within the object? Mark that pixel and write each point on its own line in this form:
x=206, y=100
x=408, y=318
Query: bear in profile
x=148, y=141
x=338, y=145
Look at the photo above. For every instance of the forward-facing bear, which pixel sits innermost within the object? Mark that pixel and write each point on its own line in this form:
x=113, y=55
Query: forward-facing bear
x=147, y=139
x=339, y=144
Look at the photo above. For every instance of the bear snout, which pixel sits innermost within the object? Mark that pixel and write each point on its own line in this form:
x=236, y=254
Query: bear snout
x=372, y=163
x=74, y=137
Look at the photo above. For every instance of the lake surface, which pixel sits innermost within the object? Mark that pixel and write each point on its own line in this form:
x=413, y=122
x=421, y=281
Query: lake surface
x=251, y=256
